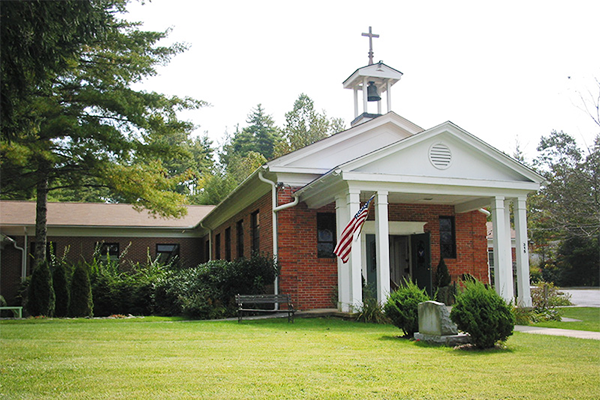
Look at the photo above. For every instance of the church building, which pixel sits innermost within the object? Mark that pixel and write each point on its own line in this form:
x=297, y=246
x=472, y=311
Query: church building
x=430, y=187
x=432, y=191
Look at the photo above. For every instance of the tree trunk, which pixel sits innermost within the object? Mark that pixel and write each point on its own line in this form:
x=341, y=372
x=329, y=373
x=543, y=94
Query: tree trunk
x=41, y=228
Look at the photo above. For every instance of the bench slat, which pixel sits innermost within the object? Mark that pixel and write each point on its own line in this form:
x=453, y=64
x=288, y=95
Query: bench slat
x=265, y=299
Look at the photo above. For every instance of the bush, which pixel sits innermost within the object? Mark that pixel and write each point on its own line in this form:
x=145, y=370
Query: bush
x=61, y=290
x=402, y=307
x=371, y=310
x=545, y=298
x=81, y=304
x=442, y=275
x=40, y=294
x=483, y=314
x=208, y=291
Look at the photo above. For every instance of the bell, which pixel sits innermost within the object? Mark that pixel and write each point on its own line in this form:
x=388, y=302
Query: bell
x=372, y=93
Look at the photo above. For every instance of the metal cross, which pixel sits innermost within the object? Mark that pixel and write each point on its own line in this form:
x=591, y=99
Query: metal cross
x=370, y=35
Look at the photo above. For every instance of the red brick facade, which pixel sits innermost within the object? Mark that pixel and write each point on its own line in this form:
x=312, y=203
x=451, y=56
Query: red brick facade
x=132, y=249
x=313, y=281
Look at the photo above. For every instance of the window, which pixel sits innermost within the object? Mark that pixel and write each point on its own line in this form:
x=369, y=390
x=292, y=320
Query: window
x=447, y=237
x=326, y=235
x=108, y=251
x=218, y=246
x=228, y=244
x=255, y=226
x=239, y=228
x=207, y=251
x=167, y=253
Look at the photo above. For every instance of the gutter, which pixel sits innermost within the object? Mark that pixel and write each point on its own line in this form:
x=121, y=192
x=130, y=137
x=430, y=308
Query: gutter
x=276, y=209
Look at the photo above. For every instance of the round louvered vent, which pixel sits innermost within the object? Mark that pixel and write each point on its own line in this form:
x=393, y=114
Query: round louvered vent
x=440, y=156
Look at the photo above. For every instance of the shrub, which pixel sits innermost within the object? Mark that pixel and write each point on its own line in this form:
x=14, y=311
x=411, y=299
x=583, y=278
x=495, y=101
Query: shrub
x=402, y=307
x=81, y=304
x=483, y=314
x=371, y=310
x=61, y=290
x=442, y=275
x=208, y=291
x=545, y=298
x=40, y=295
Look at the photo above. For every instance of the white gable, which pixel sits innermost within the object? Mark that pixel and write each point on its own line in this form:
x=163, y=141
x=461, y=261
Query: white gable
x=443, y=155
x=345, y=146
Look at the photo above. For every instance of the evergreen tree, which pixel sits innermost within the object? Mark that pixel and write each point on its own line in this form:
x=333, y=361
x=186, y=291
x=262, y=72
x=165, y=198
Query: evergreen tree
x=61, y=290
x=40, y=296
x=81, y=304
x=84, y=124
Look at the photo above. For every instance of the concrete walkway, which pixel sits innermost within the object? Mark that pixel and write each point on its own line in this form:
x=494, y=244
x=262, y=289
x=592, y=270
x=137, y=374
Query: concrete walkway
x=558, y=332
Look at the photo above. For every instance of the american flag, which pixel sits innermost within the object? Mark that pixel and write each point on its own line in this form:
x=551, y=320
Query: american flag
x=344, y=245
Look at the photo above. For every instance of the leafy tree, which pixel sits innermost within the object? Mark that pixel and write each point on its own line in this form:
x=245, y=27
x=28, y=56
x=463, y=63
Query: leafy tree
x=85, y=125
x=567, y=209
x=304, y=126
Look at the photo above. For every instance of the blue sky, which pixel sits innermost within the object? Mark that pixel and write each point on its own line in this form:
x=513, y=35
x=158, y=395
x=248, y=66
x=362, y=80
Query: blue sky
x=507, y=72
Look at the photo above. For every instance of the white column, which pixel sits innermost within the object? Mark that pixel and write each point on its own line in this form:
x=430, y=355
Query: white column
x=382, y=240
x=354, y=263
x=341, y=219
x=389, y=96
x=355, y=101
x=379, y=107
x=365, y=94
x=502, y=263
x=522, y=253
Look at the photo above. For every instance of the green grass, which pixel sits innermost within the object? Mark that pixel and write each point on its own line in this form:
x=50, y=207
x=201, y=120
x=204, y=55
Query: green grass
x=154, y=358
x=589, y=319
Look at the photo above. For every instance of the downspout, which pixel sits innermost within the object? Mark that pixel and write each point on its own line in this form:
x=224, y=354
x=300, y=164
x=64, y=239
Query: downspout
x=276, y=209
x=487, y=214
x=23, y=253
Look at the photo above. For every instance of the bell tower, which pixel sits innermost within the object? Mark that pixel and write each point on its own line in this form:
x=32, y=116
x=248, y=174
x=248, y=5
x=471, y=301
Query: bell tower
x=374, y=80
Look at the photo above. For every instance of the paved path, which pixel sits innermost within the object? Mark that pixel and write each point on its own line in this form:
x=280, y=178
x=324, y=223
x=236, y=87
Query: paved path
x=558, y=332
x=584, y=297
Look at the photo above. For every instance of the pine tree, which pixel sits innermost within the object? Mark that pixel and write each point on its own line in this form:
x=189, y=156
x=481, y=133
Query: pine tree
x=61, y=290
x=41, y=298
x=81, y=304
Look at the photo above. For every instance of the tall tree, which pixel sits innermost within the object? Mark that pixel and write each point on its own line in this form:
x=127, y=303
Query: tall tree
x=304, y=126
x=260, y=136
x=85, y=125
x=567, y=208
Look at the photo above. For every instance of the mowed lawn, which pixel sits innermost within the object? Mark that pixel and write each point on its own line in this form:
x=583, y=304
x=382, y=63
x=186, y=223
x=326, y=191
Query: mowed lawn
x=157, y=358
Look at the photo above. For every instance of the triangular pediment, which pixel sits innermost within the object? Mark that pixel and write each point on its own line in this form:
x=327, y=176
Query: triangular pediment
x=348, y=145
x=445, y=152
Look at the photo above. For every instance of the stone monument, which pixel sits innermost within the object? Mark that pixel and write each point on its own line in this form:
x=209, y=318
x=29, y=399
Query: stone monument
x=436, y=326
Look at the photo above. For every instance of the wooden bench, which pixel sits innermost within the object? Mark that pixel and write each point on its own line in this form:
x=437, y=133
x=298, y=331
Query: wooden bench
x=17, y=311
x=243, y=301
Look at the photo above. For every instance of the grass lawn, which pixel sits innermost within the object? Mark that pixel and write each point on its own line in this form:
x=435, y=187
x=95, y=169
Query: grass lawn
x=589, y=319
x=153, y=358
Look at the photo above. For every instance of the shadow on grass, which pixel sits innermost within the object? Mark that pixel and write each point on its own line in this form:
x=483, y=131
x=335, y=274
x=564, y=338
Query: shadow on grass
x=459, y=350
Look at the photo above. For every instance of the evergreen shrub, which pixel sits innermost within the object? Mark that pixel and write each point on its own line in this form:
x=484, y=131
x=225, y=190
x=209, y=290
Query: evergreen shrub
x=62, y=293
x=40, y=293
x=81, y=304
x=483, y=314
x=402, y=307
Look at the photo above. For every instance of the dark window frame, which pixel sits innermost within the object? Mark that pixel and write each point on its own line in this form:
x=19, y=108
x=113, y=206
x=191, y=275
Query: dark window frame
x=166, y=253
x=255, y=229
x=447, y=237
x=228, y=243
x=109, y=250
x=326, y=235
x=218, y=246
x=239, y=227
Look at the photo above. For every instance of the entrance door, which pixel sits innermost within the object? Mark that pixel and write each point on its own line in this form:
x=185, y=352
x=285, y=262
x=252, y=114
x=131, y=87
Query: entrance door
x=399, y=261
x=371, y=266
x=421, y=261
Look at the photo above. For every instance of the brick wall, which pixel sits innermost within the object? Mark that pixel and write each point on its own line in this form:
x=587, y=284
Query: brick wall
x=132, y=249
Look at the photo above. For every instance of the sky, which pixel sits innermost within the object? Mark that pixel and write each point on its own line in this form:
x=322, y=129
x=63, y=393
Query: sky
x=508, y=72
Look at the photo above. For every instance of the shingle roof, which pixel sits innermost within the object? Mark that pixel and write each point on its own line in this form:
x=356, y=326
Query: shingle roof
x=20, y=213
